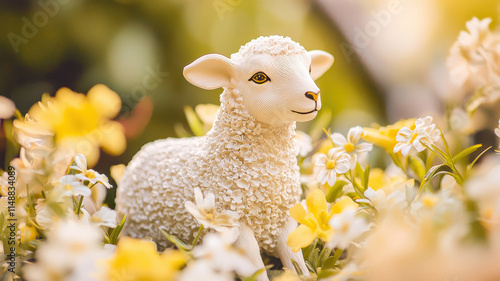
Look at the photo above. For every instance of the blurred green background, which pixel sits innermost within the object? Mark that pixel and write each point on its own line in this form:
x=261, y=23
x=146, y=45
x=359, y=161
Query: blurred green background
x=138, y=48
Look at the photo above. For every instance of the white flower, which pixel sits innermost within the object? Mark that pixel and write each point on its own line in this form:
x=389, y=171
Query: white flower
x=303, y=143
x=70, y=245
x=88, y=174
x=336, y=161
x=73, y=187
x=346, y=228
x=205, y=213
x=217, y=251
x=351, y=146
x=104, y=217
x=425, y=132
x=484, y=187
x=497, y=130
x=381, y=200
x=7, y=108
x=469, y=57
x=202, y=271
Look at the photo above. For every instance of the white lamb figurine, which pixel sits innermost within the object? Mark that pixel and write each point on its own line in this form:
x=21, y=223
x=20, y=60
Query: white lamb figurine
x=248, y=159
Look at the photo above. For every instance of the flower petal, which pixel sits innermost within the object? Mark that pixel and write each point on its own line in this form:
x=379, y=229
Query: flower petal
x=338, y=139
x=343, y=203
x=114, y=141
x=301, y=237
x=298, y=212
x=105, y=101
x=316, y=202
x=354, y=134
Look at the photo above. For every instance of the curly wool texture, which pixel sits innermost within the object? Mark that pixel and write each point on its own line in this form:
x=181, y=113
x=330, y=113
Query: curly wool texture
x=251, y=168
x=273, y=45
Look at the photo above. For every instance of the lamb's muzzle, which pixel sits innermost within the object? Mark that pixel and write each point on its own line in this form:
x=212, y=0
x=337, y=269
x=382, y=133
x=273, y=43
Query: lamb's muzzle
x=248, y=159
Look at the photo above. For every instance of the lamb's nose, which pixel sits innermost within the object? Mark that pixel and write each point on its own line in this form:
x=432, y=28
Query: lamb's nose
x=312, y=95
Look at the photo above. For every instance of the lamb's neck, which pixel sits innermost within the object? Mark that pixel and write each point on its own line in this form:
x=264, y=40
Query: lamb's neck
x=235, y=128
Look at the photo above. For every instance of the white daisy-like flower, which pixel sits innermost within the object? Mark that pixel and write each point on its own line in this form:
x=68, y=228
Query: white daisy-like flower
x=73, y=187
x=90, y=175
x=303, y=143
x=205, y=213
x=336, y=161
x=346, y=228
x=425, y=132
x=7, y=108
x=104, y=217
x=220, y=255
x=351, y=146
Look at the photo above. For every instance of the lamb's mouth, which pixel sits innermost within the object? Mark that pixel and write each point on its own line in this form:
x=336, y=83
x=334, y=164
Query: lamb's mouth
x=309, y=112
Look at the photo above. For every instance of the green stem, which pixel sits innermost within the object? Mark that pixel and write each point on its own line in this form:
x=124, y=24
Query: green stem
x=198, y=235
x=80, y=203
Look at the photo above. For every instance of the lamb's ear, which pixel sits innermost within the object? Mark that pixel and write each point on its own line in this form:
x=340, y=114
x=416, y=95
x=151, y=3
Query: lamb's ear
x=210, y=72
x=321, y=61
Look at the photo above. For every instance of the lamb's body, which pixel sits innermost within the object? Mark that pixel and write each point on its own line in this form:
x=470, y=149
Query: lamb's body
x=249, y=166
x=247, y=161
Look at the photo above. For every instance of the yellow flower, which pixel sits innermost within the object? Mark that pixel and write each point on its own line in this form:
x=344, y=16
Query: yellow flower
x=314, y=222
x=138, y=260
x=385, y=137
x=82, y=121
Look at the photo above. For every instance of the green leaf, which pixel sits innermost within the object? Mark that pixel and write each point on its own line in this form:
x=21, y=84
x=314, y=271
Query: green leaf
x=469, y=167
x=366, y=178
x=418, y=166
x=314, y=258
x=466, y=152
x=325, y=273
x=323, y=255
x=297, y=267
x=431, y=173
x=329, y=263
x=113, y=237
x=257, y=273
x=176, y=241
x=193, y=121
x=335, y=191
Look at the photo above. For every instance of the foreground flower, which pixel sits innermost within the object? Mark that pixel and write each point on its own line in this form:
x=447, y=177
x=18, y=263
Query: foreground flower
x=497, y=130
x=303, y=143
x=425, y=132
x=84, y=174
x=82, y=121
x=385, y=137
x=104, y=217
x=351, y=146
x=7, y=108
x=204, y=212
x=346, y=228
x=336, y=161
x=468, y=60
x=73, y=187
x=314, y=223
x=138, y=260
x=218, y=256
x=70, y=253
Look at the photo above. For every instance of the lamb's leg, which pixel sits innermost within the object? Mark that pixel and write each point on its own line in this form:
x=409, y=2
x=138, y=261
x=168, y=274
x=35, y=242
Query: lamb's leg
x=285, y=253
x=246, y=240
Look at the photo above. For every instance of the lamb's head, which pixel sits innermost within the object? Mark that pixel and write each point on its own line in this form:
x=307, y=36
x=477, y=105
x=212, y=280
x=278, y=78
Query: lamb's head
x=274, y=76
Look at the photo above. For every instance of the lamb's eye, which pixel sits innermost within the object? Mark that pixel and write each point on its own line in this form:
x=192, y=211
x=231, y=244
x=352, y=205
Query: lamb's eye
x=260, y=78
x=309, y=69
